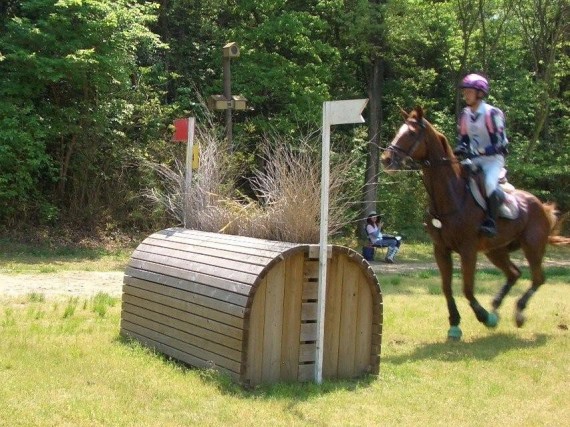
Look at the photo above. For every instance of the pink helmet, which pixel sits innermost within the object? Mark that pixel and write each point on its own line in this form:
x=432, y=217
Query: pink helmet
x=475, y=81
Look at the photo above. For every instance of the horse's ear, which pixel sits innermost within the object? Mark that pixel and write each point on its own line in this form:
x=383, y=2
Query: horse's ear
x=404, y=114
x=420, y=112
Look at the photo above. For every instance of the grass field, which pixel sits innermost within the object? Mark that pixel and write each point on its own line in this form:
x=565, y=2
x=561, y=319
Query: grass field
x=63, y=363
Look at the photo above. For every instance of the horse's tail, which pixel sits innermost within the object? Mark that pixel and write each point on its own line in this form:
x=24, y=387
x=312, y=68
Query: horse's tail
x=555, y=224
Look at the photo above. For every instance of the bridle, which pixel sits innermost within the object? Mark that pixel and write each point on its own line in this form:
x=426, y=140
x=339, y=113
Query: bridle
x=400, y=153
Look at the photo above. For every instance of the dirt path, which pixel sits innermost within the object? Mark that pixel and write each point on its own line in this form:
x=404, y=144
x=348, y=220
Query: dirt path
x=68, y=283
x=89, y=283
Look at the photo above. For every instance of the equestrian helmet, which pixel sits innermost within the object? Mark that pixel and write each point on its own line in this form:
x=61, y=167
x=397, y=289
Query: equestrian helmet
x=475, y=81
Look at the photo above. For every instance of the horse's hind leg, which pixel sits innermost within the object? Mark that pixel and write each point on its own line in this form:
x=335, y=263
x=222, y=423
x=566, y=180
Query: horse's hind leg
x=500, y=258
x=534, y=254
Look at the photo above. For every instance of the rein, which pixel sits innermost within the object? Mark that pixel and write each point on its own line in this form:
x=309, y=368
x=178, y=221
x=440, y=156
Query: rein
x=443, y=161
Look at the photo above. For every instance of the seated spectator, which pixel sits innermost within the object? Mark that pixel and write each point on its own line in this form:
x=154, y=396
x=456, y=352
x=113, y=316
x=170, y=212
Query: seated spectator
x=377, y=239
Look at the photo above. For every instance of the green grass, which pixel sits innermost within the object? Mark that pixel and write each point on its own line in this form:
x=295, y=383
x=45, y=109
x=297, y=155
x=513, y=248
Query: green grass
x=62, y=362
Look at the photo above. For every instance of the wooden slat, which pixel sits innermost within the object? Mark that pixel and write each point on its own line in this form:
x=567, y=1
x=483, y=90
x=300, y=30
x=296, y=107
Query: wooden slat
x=308, y=332
x=347, y=320
x=333, y=304
x=307, y=352
x=175, y=342
x=254, y=356
x=230, y=280
x=292, y=317
x=309, y=311
x=188, y=307
x=191, y=318
x=175, y=353
x=310, y=290
x=363, y=354
x=241, y=245
x=217, y=259
x=207, y=340
x=311, y=269
x=306, y=372
x=186, y=284
x=171, y=287
x=273, y=331
x=228, y=239
x=192, y=249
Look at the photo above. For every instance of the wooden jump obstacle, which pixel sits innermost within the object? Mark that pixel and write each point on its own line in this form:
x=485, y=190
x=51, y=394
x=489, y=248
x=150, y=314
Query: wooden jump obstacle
x=248, y=307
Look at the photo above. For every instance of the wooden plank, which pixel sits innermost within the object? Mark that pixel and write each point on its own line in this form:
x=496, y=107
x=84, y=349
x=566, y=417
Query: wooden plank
x=171, y=287
x=332, y=317
x=200, y=258
x=307, y=352
x=195, y=309
x=211, y=273
x=309, y=311
x=256, y=325
x=225, y=238
x=185, y=316
x=306, y=372
x=192, y=249
x=311, y=269
x=363, y=342
x=179, y=344
x=177, y=354
x=187, y=284
x=308, y=332
x=292, y=317
x=215, y=343
x=310, y=290
x=240, y=246
x=347, y=320
x=272, y=335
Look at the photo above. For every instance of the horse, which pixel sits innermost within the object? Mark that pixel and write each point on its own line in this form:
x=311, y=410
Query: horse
x=454, y=218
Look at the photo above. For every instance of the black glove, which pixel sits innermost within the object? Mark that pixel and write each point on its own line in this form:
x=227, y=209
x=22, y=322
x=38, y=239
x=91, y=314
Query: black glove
x=461, y=150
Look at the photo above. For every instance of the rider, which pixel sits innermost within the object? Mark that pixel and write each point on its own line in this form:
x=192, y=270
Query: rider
x=484, y=143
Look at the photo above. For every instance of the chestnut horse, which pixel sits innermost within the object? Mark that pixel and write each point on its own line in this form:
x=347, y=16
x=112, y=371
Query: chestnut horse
x=455, y=217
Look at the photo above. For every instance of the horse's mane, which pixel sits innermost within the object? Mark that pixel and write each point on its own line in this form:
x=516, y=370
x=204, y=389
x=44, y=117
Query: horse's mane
x=444, y=143
x=419, y=115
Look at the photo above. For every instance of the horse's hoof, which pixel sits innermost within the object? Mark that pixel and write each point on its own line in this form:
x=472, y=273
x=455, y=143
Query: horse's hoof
x=492, y=320
x=519, y=318
x=454, y=333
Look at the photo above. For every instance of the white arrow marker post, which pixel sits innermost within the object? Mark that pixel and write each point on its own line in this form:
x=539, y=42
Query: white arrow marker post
x=334, y=113
x=188, y=175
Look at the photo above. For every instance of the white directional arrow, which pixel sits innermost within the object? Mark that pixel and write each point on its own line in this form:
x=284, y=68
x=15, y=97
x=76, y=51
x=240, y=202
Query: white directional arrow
x=334, y=113
x=343, y=112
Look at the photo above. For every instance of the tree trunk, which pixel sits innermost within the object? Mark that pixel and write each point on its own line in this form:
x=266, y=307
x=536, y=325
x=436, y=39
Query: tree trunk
x=375, y=84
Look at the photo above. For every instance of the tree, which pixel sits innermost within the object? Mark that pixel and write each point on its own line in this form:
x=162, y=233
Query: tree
x=68, y=74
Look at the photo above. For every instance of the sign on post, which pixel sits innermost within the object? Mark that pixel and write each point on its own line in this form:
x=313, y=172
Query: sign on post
x=184, y=131
x=334, y=113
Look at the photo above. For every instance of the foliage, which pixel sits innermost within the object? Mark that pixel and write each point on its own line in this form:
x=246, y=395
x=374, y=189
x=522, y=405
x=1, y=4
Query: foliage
x=90, y=87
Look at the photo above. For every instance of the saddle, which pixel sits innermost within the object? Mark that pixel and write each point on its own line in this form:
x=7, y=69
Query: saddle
x=509, y=207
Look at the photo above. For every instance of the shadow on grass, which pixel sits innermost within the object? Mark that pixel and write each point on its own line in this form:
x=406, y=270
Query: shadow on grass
x=484, y=348
x=293, y=391
x=488, y=281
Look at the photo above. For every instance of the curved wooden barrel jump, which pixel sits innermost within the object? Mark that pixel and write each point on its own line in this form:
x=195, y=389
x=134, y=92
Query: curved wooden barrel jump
x=248, y=307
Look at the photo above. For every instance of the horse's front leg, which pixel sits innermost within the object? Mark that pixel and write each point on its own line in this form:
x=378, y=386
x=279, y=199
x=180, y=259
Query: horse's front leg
x=445, y=265
x=468, y=263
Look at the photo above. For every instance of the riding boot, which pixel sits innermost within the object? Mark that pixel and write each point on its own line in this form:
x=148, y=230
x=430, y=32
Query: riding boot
x=489, y=228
